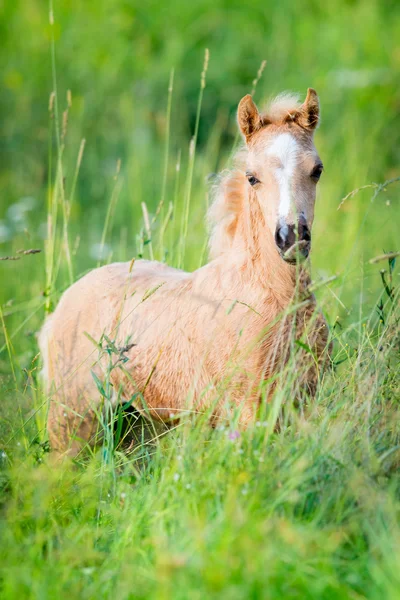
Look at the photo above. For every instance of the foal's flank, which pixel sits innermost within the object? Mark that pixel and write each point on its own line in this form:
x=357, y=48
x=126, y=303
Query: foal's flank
x=212, y=339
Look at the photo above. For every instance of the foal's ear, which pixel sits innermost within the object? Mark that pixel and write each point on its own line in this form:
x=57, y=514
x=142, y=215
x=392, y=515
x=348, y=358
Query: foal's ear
x=307, y=115
x=248, y=117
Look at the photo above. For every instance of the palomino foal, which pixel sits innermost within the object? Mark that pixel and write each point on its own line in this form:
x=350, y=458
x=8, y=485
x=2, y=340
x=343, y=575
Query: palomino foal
x=208, y=339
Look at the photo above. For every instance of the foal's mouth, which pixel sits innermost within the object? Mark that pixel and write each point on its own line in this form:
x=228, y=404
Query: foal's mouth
x=298, y=252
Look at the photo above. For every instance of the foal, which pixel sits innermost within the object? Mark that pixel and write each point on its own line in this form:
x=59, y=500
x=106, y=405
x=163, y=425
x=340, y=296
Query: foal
x=208, y=339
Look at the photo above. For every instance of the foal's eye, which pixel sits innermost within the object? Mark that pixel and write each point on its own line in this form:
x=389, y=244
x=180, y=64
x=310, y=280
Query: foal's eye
x=317, y=172
x=251, y=179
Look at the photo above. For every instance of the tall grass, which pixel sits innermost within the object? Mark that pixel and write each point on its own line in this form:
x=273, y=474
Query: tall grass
x=309, y=511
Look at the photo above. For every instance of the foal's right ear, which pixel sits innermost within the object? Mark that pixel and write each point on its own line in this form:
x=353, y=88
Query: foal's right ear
x=308, y=114
x=249, y=118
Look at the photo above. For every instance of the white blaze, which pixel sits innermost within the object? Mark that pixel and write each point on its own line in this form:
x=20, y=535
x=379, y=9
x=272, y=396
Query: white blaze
x=284, y=147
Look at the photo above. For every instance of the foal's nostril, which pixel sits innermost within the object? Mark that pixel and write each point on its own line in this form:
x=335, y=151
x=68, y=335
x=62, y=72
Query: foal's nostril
x=280, y=237
x=285, y=237
x=304, y=232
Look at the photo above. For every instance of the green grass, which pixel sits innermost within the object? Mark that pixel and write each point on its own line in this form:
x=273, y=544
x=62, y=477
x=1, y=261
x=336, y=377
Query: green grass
x=309, y=512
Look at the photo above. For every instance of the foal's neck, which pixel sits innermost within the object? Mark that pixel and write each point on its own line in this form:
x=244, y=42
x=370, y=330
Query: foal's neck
x=260, y=263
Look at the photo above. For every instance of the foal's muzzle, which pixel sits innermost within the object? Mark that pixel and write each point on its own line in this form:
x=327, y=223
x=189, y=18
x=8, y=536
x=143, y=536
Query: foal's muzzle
x=293, y=241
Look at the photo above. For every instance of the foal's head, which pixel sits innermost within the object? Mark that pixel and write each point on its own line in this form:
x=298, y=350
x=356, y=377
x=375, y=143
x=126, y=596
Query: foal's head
x=283, y=168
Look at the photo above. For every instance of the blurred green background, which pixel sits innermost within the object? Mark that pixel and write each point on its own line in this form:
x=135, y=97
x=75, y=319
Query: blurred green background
x=116, y=58
x=309, y=512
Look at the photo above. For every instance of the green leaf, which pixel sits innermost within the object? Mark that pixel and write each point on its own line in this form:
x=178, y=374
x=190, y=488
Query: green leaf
x=99, y=384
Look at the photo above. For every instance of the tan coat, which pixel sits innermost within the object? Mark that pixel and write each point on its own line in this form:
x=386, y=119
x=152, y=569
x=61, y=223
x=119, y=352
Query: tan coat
x=187, y=342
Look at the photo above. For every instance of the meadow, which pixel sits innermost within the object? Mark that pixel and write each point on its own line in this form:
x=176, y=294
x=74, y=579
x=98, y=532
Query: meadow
x=115, y=121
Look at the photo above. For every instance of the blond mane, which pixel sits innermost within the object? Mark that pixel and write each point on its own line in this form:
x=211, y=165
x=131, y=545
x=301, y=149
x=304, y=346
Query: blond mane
x=228, y=196
x=280, y=108
x=228, y=193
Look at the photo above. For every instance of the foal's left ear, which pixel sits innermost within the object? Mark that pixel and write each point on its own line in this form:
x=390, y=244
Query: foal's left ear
x=249, y=118
x=307, y=115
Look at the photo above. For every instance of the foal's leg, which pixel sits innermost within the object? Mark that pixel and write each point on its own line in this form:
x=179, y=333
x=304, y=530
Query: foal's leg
x=246, y=410
x=72, y=426
x=74, y=401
